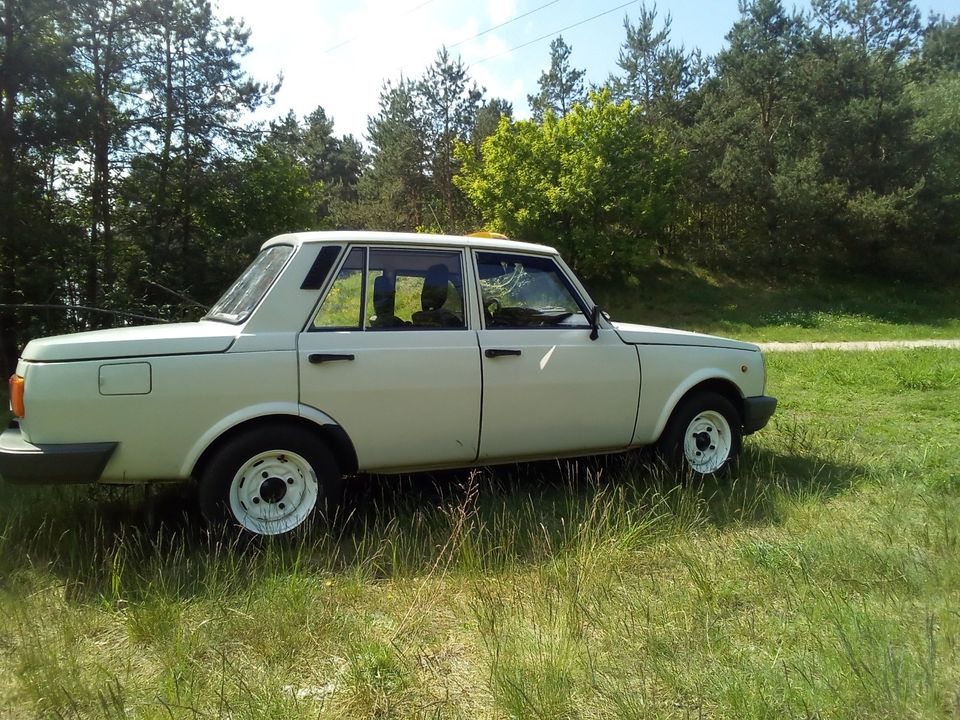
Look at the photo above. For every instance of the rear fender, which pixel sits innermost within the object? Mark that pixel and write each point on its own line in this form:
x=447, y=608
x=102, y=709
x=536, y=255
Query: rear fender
x=250, y=413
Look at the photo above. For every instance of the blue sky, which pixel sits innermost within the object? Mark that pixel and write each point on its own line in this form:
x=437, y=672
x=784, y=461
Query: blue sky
x=338, y=54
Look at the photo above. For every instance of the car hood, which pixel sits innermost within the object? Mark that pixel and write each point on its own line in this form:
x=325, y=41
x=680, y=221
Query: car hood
x=649, y=335
x=140, y=341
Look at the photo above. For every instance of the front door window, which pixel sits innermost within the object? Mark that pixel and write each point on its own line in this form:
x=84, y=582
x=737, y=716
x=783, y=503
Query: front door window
x=526, y=291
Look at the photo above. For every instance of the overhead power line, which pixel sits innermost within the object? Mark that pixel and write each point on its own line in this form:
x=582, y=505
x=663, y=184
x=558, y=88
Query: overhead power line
x=505, y=22
x=85, y=308
x=556, y=32
x=395, y=17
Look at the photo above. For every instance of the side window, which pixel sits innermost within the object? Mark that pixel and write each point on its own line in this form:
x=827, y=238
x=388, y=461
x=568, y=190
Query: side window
x=526, y=291
x=414, y=290
x=341, y=307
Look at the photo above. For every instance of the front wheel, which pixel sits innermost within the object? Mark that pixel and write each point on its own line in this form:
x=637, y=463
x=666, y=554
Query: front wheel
x=268, y=480
x=704, y=434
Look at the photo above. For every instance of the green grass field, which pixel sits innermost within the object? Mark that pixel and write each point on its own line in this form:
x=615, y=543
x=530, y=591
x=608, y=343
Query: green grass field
x=783, y=311
x=821, y=580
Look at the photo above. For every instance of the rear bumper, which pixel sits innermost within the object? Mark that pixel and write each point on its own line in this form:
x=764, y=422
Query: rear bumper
x=24, y=462
x=757, y=412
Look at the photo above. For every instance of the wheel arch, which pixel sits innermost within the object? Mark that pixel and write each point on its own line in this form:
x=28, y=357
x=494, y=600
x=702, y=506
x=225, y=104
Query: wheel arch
x=331, y=434
x=723, y=386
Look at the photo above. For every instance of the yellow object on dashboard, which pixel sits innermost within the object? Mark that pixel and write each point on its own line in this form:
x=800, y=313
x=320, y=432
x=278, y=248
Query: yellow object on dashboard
x=490, y=235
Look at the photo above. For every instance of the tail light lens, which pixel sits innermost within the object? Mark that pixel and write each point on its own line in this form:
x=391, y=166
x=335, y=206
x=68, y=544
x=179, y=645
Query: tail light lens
x=16, y=395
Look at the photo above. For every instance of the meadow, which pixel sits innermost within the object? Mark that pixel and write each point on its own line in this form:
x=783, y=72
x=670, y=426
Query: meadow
x=820, y=579
x=761, y=309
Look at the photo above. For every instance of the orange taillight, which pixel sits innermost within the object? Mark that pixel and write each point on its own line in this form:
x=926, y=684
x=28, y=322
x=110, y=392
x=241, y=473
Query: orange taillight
x=16, y=395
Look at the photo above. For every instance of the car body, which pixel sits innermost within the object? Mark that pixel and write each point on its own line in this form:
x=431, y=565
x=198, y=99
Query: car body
x=339, y=352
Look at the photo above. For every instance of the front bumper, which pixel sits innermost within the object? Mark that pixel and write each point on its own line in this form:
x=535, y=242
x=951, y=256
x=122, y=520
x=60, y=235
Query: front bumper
x=757, y=412
x=24, y=462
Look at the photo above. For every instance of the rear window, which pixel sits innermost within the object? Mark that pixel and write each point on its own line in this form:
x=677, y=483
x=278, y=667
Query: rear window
x=246, y=293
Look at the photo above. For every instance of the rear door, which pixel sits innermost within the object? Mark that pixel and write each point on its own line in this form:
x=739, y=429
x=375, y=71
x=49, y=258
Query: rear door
x=389, y=356
x=548, y=389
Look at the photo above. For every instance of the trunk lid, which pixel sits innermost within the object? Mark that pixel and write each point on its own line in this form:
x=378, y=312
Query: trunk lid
x=129, y=342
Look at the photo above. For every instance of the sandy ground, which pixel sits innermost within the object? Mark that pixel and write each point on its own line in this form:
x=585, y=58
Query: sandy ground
x=862, y=345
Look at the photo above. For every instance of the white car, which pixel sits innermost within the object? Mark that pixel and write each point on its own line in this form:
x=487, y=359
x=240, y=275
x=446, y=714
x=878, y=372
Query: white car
x=343, y=352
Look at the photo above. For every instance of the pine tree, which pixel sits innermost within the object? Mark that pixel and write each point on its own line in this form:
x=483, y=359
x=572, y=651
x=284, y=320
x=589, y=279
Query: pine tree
x=656, y=75
x=393, y=190
x=561, y=86
x=449, y=101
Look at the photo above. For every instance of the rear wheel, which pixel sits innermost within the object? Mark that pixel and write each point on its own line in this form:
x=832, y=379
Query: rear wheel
x=268, y=480
x=704, y=434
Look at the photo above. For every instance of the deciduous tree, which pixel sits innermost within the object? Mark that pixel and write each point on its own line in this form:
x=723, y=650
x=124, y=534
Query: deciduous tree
x=597, y=183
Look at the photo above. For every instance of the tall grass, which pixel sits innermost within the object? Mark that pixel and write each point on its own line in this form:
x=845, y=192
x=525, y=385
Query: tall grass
x=820, y=579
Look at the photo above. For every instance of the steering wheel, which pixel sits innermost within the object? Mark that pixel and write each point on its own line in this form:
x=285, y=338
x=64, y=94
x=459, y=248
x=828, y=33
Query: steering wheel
x=492, y=305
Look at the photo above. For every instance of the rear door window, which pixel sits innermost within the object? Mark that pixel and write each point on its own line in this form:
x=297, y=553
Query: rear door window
x=398, y=289
x=341, y=306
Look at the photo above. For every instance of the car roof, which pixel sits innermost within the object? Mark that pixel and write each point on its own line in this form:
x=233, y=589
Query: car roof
x=391, y=238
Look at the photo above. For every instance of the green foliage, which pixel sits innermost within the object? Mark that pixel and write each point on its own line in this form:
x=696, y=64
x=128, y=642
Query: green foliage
x=40, y=114
x=806, y=135
x=488, y=120
x=937, y=128
x=331, y=164
x=596, y=183
x=392, y=192
x=113, y=139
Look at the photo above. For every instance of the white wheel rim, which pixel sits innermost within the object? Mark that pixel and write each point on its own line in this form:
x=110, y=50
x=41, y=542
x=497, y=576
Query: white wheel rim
x=273, y=492
x=707, y=442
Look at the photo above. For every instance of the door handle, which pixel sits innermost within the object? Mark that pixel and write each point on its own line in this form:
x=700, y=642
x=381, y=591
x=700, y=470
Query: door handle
x=499, y=352
x=317, y=358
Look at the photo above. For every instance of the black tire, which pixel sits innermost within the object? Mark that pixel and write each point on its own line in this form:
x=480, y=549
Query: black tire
x=299, y=476
x=695, y=441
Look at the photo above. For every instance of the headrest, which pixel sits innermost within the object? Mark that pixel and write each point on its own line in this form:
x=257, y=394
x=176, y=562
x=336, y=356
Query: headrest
x=435, y=285
x=384, y=296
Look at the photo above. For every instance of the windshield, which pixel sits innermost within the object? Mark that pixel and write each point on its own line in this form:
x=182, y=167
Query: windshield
x=239, y=301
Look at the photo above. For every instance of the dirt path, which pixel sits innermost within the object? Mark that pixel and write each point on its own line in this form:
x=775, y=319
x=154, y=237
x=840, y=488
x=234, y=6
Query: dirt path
x=856, y=345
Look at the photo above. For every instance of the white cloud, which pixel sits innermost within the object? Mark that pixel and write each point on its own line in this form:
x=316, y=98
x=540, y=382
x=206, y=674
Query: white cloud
x=339, y=58
x=495, y=74
x=338, y=55
x=501, y=10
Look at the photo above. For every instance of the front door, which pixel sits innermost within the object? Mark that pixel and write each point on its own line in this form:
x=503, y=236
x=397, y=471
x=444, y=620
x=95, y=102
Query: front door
x=548, y=389
x=389, y=357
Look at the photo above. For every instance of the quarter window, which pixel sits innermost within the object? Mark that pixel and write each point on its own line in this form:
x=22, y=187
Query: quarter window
x=526, y=291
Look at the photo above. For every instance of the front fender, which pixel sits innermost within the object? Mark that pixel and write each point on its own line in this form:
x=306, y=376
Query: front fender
x=686, y=386
x=670, y=372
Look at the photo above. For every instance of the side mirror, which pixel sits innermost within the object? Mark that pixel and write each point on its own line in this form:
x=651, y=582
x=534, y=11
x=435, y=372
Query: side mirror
x=595, y=322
